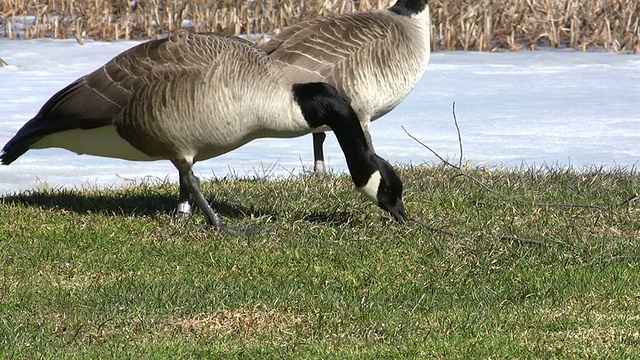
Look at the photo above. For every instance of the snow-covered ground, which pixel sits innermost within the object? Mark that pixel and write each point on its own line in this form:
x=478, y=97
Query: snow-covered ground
x=554, y=107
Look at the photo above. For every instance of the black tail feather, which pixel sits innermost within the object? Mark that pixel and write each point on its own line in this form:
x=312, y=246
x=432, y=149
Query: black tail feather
x=20, y=142
x=10, y=155
x=70, y=108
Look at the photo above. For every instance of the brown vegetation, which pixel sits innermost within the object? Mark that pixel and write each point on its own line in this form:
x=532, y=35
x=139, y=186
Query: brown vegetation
x=457, y=24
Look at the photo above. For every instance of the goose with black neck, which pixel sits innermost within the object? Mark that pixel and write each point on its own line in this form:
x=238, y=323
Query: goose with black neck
x=373, y=58
x=192, y=97
x=372, y=175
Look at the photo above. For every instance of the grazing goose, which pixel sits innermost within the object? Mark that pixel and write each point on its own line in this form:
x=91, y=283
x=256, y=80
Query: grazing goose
x=192, y=97
x=374, y=58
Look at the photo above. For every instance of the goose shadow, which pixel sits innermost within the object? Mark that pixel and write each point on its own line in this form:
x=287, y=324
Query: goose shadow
x=117, y=204
x=153, y=204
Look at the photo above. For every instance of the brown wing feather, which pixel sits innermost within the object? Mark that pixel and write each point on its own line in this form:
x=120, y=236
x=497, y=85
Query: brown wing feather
x=313, y=50
x=95, y=99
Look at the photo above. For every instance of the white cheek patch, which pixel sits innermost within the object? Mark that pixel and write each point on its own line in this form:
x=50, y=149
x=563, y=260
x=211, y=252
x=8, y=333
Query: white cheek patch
x=370, y=189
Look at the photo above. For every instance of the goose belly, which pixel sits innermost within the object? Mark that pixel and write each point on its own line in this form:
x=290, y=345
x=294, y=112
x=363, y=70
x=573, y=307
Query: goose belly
x=102, y=141
x=228, y=133
x=208, y=128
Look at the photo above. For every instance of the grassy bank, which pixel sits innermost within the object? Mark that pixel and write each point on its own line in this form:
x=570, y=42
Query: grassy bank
x=457, y=24
x=544, y=264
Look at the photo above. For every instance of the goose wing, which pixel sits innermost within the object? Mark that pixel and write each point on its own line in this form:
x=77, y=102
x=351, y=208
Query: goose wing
x=95, y=99
x=317, y=50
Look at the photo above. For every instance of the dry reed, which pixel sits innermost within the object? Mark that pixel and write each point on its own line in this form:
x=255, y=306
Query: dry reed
x=457, y=24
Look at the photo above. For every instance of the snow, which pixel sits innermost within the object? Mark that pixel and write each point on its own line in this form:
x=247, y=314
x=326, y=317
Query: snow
x=554, y=107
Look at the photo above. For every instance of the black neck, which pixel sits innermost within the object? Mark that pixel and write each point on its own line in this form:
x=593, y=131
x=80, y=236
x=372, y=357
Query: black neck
x=409, y=7
x=321, y=105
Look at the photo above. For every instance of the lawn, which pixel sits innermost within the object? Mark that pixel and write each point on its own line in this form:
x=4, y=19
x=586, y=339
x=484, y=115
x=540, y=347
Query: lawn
x=499, y=263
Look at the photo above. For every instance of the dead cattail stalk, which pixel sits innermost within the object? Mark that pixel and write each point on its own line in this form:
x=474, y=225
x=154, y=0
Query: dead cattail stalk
x=457, y=24
x=78, y=37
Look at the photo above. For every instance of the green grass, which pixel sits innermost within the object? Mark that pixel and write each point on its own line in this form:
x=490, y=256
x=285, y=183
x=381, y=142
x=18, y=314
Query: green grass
x=504, y=274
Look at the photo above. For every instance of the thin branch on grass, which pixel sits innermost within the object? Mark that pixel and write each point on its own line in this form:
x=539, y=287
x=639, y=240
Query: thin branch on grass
x=612, y=259
x=461, y=235
x=418, y=303
x=629, y=200
x=436, y=228
x=570, y=205
x=462, y=172
x=632, y=198
x=455, y=121
x=521, y=240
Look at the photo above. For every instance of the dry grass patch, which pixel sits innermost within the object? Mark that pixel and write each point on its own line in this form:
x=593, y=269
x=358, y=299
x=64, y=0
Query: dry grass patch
x=580, y=330
x=243, y=322
x=67, y=276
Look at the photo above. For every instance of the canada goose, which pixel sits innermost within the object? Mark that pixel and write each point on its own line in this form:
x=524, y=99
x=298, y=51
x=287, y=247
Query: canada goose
x=191, y=97
x=374, y=58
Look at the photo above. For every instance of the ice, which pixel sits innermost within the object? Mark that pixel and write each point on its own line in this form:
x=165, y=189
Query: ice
x=545, y=107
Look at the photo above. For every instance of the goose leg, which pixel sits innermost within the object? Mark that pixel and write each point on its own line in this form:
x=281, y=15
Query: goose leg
x=367, y=134
x=318, y=154
x=190, y=187
x=184, y=209
x=192, y=183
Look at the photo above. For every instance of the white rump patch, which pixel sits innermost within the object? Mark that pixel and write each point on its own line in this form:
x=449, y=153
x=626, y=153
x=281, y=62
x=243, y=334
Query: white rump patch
x=370, y=189
x=102, y=141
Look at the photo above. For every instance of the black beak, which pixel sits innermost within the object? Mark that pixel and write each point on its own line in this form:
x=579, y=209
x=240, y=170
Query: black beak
x=396, y=211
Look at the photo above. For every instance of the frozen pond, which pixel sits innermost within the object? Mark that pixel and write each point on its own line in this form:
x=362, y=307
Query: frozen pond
x=554, y=107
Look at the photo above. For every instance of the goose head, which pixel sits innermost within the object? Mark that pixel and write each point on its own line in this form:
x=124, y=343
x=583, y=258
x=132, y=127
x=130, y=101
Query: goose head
x=321, y=104
x=384, y=188
x=410, y=8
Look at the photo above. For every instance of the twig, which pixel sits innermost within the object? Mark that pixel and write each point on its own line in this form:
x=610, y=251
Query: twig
x=418, y=303
x=462, y=172
x=436, y=228
x=611, y=259
x=570, y=205
x=458, y=167
x=521, y=240
x=632, y=198
x=455, y=121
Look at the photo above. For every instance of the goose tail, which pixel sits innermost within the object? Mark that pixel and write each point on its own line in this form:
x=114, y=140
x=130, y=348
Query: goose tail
x=30, y=133
x=65, y=110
